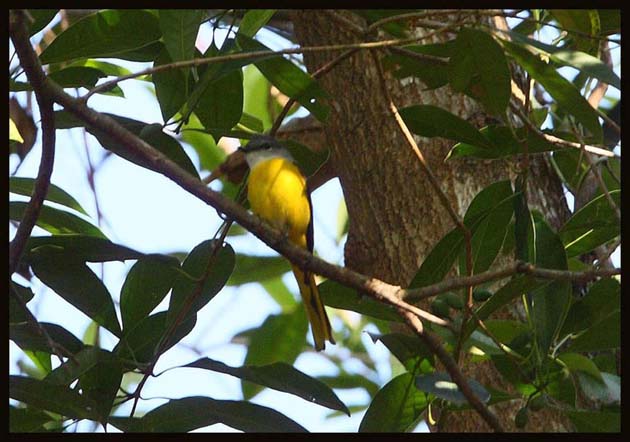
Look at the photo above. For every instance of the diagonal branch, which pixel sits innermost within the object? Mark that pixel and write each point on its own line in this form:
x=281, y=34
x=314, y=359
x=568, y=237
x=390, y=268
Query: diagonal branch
x=33, y=70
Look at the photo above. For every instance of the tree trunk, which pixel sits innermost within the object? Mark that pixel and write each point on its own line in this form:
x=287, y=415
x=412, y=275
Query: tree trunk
x=395, y=214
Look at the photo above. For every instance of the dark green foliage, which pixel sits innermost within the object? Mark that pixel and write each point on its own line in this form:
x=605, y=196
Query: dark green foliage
x=562, y=348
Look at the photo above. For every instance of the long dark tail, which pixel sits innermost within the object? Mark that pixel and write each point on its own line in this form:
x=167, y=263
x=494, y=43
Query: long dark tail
x=320, y=325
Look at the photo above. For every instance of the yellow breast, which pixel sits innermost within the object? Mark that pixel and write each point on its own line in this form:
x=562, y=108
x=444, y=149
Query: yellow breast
x=277, y=193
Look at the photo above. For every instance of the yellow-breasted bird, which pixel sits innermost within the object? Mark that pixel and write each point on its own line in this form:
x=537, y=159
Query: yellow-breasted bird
x=277, y=193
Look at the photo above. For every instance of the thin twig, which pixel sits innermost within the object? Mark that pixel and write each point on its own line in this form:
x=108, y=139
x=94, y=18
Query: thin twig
x=36, y=77
x=419, y=15
x=318, y=73
x=181, y=315
x=559, y=141
x=59, y=350
x=414, y=295
x=598, y=177
x=347, y=23
x=250, y=55
x=432, y=179
x=419, y=56
x=453, y=370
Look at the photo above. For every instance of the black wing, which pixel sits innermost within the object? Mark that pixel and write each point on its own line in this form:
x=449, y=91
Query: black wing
x=310, y=235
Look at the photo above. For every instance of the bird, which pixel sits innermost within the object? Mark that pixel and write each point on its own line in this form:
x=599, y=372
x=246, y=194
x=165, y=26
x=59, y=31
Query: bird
x=277, y=192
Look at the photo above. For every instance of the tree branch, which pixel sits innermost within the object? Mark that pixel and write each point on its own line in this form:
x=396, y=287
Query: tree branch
x=414, y=295
x=453, y=370
x=128, y=143
x=251, y=55
x=32, y=68
x=559, y=141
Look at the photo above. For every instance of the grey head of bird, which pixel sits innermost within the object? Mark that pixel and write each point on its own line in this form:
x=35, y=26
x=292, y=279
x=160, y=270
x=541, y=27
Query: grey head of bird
x=263, y=147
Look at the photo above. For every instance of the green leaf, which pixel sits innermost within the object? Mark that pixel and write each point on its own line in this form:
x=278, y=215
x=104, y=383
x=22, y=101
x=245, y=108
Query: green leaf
x=395, y=28
x=479, y=68
x=99, y=373
x=280, y=293
x=41, y=17
x=80, y=247
x=107, y=68
x=151, y=133
x=549, y=303
x=76, y=77
x=172, y=86
x=433, y=73
x=141, y=342
x=491, y=201
x=280, y=338
x=27, y=420
x=409, y=350
x=210, y=155
x=252, y=268
x=344, y=380
x=341, y=297
x=279, y=376
x=289, y=79
x=169, y=146
x=48, y=396
x=189, y=413
x=594, y=224
x=561, y=386
x=104, y=34
x=73, y=280
x=610, y=21
x=200, y=263
x=253, y=20
x=42, y=361
x=220, y=106
x=576, y=362
x=441, y=385
x=307, y=160
x=251, y=123
x=524, y=246
x=602, y=299
x=603, y=335
x=517, y=286
x=54, y=220
x=586, y=24
x=592, y=66
x=571, y=166
x=432, y=121
x=24, y=186
x=28, y=337
x=147, y=283
x=490, y=231
x=503, y=144
x=179, y=31
x=256, y=89
x=440, y=260
x=561, y=89
x=395, y=408
x=17, y=313
x=596, y=421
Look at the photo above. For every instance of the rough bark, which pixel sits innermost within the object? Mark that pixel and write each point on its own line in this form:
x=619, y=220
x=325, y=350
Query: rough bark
x=395, y=215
